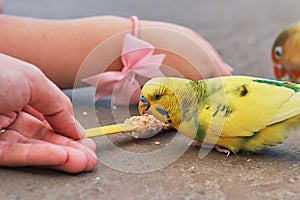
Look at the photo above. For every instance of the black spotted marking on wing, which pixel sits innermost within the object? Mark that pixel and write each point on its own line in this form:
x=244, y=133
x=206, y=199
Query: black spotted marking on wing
x=227, y=112
x=243, y=91
x=222, y=109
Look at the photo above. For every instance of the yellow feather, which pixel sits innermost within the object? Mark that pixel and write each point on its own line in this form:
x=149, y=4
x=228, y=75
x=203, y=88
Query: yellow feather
x=249, y=112
x=287, y=110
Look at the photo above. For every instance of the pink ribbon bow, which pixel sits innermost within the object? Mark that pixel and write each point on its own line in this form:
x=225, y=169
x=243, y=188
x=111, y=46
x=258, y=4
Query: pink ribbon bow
x=139, y=61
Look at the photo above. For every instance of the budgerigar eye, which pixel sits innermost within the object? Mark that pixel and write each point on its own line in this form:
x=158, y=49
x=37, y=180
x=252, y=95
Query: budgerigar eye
x=157, y=97
x=278, y=52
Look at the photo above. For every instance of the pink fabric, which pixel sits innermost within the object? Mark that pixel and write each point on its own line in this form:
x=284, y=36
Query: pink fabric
x=138, y=60
x=135, y=22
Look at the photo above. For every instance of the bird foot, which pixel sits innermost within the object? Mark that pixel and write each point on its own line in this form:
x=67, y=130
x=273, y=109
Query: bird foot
x=222, y=150
x=196, y=143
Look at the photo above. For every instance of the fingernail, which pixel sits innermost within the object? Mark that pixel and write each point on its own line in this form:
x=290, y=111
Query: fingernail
x=92, y=153
x=80, y=129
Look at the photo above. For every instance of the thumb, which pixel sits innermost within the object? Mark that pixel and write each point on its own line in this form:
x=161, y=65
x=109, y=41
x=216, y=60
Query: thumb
x=50, y=101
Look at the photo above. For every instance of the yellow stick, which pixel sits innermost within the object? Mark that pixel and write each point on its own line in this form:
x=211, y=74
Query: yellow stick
x=110, y=129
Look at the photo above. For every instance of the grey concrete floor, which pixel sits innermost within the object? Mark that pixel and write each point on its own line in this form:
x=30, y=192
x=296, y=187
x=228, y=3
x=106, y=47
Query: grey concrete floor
x=242, y=32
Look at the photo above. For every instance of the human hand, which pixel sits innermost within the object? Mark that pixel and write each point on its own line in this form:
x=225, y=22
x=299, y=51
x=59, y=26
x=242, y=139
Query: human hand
x=186, y=51
x=37, y=122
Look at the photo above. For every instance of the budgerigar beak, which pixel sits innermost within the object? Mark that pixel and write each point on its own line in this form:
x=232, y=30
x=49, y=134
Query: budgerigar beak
x=294, y=76
x=279, y=72
x=143, y=105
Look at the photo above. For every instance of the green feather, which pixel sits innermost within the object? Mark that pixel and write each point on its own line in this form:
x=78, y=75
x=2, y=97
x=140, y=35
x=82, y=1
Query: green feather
x=279, y=83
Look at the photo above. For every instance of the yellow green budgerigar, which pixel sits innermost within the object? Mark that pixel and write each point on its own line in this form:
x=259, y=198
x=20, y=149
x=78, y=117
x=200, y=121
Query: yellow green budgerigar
x=233, y=113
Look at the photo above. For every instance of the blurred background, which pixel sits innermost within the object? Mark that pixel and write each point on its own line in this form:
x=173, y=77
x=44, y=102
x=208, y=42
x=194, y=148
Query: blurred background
x=241, y=31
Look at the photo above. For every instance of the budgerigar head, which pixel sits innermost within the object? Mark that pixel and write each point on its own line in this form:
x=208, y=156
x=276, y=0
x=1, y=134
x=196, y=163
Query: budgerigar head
x=162, y=97
x=286, y=53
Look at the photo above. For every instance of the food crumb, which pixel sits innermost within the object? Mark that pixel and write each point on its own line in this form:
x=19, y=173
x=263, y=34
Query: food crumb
x=146, y=125
x=157, y=143
x=192, y=169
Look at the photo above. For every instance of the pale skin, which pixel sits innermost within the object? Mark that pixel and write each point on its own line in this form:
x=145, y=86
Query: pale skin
x=31, y=115
x=58, y=47
x=32, y=107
